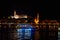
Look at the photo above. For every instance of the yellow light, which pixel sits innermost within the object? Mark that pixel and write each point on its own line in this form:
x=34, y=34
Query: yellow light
x=36, y=21
x=16, y=16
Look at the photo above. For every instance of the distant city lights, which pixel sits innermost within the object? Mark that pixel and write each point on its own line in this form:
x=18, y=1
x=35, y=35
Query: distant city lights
x=23, y=16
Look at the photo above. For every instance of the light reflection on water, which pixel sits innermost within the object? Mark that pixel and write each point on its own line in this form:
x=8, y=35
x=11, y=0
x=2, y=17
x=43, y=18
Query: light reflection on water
x=25, y=33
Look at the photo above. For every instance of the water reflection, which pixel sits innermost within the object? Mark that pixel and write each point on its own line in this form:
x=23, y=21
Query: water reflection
x=25, y=33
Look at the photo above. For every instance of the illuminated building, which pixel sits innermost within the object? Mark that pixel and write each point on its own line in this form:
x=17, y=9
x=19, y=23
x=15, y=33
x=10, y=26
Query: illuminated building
x=18, y=16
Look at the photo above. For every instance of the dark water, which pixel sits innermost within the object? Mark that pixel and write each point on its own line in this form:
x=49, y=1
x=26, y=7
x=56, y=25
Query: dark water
x=11, y=34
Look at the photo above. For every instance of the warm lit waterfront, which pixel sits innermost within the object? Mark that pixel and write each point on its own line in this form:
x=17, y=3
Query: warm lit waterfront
x=44, y=30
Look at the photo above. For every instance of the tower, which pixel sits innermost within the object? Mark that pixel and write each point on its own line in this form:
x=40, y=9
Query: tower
x=15, y=15
x=14, y=12
x=38, y=16
x=36, y=20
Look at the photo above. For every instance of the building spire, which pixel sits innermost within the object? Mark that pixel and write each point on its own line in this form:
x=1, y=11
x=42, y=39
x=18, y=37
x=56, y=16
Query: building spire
x=38, y=16
x=36, y=20
x=14, y=12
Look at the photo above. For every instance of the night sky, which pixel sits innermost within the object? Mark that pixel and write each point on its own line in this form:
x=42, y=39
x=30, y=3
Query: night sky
x=45, y=8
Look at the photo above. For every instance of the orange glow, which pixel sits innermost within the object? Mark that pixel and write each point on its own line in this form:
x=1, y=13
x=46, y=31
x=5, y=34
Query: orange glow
x=36, y=20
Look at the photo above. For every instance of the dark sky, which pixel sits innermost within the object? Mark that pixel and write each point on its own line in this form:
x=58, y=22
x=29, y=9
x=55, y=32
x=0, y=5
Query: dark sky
x=45, y=8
